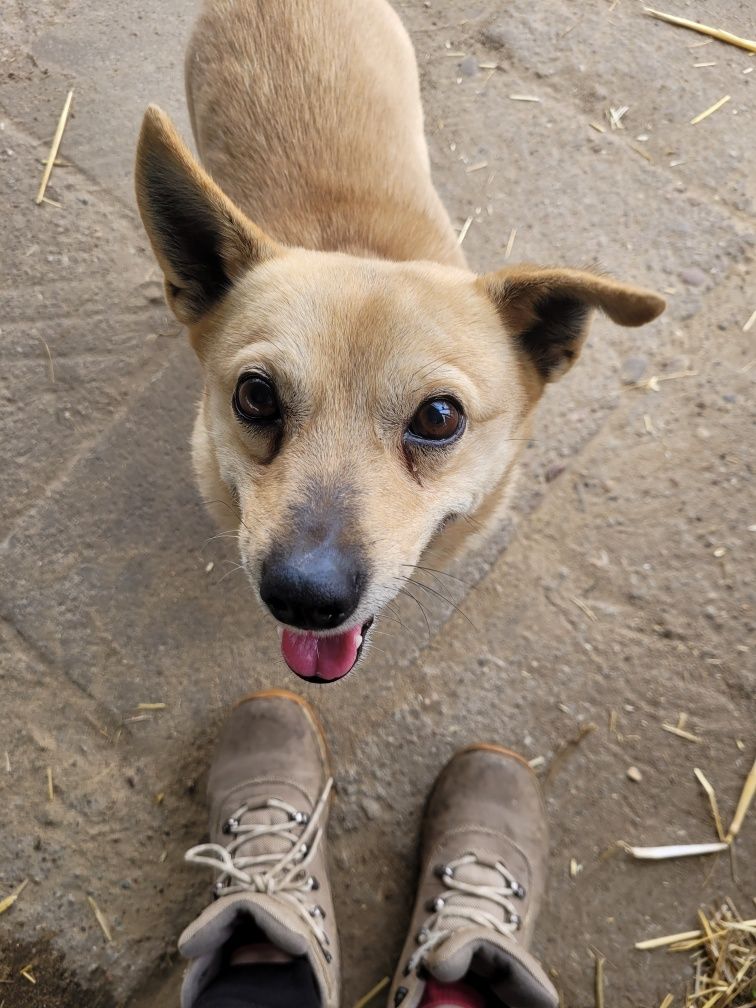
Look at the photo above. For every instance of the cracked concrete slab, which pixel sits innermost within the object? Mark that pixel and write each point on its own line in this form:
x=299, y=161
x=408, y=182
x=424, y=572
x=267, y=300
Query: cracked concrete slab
x=608, y=590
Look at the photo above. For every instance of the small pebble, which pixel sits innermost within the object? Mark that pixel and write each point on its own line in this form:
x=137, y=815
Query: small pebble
x=554, y=470
x=693, y=276
x=634, y=774
x=633, y=370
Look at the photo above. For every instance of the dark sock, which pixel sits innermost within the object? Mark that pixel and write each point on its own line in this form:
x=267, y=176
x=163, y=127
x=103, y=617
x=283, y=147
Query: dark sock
x=263, y=985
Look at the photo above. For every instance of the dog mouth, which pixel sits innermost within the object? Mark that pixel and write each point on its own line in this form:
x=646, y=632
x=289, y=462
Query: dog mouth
x=320, y=659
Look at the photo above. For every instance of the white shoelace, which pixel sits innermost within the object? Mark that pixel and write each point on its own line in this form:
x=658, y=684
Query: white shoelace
x=283, y=875
x=452, y=906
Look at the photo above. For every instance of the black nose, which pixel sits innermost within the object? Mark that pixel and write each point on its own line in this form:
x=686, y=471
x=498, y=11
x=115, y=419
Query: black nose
x=317, y=589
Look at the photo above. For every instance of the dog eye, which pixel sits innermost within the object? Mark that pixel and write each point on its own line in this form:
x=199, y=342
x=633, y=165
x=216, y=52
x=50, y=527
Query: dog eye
x=437, y=420
x=255, y=399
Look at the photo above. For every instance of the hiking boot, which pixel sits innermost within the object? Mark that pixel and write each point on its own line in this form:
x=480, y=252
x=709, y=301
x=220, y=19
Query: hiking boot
x=268, y=791
x=483, y=871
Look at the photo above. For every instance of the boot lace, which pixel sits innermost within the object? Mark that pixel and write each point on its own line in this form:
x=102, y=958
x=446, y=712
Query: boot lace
x=452, y=908
x=285, y=875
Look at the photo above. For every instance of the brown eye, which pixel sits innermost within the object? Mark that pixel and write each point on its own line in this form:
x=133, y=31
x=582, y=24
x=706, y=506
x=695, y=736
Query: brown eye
x=437, y=420
x=255, y=399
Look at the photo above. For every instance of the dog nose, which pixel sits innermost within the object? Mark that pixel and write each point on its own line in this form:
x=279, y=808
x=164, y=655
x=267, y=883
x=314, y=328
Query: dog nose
x=315, y=590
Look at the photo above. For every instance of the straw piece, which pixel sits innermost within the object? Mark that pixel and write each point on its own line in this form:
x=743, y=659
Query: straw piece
x=49, y=361
x=681, y=733
x=101, y=920
x=598, y=980
x=667, y=1002
x=50, y=785
x=668, y=851
x=463, y=232
x=749, y=324
x=711, y=795
x=746, y=797
x=717, y=33
x=151, y=706
x=8, y=902
x=523, y=97
x=510, y=243
x=655, y=943
x=705, y=115
x=373, y=993
x=54, y=147
x=27, y=974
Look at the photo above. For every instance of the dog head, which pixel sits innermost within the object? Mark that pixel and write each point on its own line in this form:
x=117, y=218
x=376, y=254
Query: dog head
x=352, y=408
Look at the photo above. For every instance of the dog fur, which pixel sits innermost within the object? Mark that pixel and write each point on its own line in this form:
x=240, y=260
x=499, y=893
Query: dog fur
x=312, y=247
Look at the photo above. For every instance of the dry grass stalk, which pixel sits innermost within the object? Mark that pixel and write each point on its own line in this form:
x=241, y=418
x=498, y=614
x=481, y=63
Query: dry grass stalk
x=151, y=706
x=476, y=167
x=49, y=361
x=8, y=902
x=655, y=943
x=749, y=324
x=510, y=243
x=597, y=126
x=643, y=153
x=27, y=974
x=585, y=608
x=668, y=851
x=54, y=147
x=465, y=229
x=667, y=1002
x=724, y=954
x=50, y=785
x=711, y=795
x=681, y=733
x=709, y=111
x=746, y=797
x=101, y=919
x=373, y=993
x=598, y=980
x=7, y=762
x=717, y=33
x=523, y=97
x=565, y=749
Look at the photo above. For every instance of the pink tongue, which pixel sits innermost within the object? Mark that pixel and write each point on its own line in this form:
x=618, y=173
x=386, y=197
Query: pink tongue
x=314, y=657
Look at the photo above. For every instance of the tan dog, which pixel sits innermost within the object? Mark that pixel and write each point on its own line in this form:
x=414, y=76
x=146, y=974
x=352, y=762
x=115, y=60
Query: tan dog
x=362, y=387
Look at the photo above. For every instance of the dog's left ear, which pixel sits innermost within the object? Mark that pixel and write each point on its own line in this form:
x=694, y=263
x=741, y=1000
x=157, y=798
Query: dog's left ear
x=547, y=311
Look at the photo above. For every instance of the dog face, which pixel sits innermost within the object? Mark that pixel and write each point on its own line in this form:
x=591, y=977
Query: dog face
x=352, y=408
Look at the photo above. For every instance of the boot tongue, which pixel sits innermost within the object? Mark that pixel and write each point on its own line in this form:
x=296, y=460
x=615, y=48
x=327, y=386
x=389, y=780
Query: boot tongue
x=513, y=974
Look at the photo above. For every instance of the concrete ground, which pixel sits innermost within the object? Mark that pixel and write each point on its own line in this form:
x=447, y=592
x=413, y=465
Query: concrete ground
x=624, y=583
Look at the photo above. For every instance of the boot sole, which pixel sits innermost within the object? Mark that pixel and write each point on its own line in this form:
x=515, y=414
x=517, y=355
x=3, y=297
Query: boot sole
x=310, y=713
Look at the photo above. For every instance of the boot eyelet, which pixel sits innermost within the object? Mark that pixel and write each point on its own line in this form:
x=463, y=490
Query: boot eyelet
x=318, y=911
x=515, y=919
x=401, y=994
x=443, y=871
x=300, y=818
x=422, y=936
x=230, y=825
x=518, y=890
x=314, y=884
x=327, y=956
x=435, y=905
x=218, y=889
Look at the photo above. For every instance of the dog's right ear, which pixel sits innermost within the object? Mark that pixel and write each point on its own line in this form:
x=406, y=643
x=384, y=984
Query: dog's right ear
x=201, y=240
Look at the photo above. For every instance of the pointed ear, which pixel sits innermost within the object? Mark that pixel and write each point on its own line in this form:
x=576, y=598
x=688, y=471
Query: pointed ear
x=201, y=240
x=548, y=311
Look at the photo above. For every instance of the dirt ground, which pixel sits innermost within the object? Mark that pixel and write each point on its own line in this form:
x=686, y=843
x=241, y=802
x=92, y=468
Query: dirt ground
x=624, y=582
